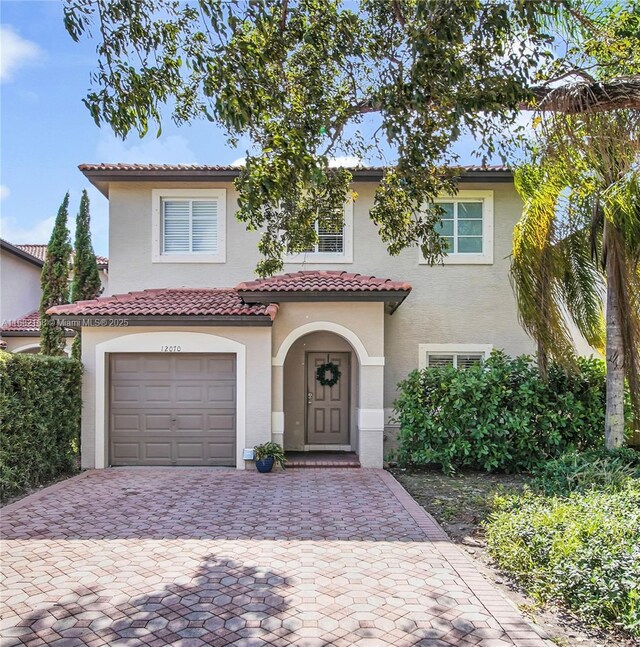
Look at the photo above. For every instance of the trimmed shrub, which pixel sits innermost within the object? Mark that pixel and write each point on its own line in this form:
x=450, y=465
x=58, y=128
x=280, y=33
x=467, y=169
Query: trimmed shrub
x=582, y=551
x=40, y=405
x=596, y=469
x=499, y=415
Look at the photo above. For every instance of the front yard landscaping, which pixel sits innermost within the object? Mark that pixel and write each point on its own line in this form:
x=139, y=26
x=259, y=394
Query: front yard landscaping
x=474, y=507
x=525, y=484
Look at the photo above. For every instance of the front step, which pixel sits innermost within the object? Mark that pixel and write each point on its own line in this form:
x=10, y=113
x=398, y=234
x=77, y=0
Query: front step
x=322, y=459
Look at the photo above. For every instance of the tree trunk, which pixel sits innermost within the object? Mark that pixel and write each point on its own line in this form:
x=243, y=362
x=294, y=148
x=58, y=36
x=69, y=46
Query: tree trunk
x=614, y=417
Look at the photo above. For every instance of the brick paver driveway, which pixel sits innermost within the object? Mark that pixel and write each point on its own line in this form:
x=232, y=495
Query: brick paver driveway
x=197, y=556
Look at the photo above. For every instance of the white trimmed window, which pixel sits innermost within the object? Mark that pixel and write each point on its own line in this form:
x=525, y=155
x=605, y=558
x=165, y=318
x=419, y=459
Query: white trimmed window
x=332, y=246
x=457, y=355
x=467, y=228
x=189, y=225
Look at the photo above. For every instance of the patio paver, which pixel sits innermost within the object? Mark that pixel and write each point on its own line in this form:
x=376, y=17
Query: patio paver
x=176, y=556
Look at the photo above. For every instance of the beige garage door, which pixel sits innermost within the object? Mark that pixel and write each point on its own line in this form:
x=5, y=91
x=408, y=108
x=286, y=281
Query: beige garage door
x=172, y=409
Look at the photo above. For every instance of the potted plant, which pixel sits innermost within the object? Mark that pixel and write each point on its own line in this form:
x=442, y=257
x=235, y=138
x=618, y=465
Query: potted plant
x=267, y=454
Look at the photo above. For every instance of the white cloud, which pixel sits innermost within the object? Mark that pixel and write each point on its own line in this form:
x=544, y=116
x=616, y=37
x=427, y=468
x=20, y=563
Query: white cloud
x=15, y=52
x=241, y=161
x=38, y=232
x=344, y=161
x=4, y=191
x=173, y=149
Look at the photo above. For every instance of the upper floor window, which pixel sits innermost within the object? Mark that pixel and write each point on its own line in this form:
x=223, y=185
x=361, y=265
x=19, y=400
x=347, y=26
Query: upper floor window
x=467, y=227
x=457, y=355
x=330, y=241
x=189, y=225
x=332, y=246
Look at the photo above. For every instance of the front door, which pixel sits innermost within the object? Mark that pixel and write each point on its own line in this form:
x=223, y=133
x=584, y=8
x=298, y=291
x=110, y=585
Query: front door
x=328, y=406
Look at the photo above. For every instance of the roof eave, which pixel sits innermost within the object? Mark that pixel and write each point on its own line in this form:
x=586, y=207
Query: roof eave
x=25, y=256
x=101, y=178
x=77, y=321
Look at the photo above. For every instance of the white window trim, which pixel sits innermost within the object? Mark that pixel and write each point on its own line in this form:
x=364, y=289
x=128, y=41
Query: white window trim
x=328, y=257
x=462, y=349
x=486, y=258
x=156, y=219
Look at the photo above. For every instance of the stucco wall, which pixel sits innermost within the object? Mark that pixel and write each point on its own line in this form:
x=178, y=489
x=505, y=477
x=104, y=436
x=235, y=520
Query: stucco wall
x=130, y=244
x=257, y=346
x=30, y=344
x=19, y=287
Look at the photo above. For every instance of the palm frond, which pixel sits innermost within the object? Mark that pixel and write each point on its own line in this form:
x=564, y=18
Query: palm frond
x=533, y=264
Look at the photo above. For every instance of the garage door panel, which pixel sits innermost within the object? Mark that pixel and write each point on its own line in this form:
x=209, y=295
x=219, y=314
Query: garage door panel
x=222, y=421
x=126, y=453
x=173, y=410
x=191, y=393
x=125, y=394
x=154, y=422
x=219, y=453
x=222, y=393
x=156, y=393
x=223, y=366
x=157, y=451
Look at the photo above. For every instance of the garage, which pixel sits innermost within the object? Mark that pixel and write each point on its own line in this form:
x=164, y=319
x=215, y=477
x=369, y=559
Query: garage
x=172, y=408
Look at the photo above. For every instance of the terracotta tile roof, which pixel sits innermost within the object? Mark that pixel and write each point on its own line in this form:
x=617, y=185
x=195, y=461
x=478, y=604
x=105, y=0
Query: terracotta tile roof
x=27, y=323
x=40, y=251
x=323, y=281
x=178, y=302
x=204, y=168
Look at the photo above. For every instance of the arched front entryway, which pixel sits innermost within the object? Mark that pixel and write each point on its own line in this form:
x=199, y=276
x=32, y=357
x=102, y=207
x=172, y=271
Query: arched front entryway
x=316, y=416
x=292, y=370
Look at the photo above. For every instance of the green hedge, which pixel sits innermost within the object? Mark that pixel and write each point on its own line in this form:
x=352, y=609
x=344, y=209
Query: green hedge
x=40, y=405
x=582, y=551
x=499, y=415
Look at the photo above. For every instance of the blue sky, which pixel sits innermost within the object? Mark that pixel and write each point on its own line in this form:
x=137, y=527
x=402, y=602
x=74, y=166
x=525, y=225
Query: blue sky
x=46, y=131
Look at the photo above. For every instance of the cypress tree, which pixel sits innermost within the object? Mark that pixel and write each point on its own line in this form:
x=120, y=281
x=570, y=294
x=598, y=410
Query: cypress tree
x=86, y=277
x=54, y=282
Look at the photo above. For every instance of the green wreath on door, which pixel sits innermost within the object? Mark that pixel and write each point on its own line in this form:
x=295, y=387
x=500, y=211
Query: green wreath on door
x=328, y=368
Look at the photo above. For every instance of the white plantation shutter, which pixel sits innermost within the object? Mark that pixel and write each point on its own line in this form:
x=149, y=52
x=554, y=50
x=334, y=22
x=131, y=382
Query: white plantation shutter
x=439, y=361
x=457, y=360
x=329, y=240
x=204, y=226
x=176, y=216
x=465, y=361
x=189, y=226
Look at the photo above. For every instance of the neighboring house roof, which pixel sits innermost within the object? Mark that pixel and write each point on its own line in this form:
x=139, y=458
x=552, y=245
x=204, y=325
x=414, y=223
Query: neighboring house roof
x=26, y=326
x=194, y=305
x=101, y=174
x=251, y=303
x=25, y=255
x=40, y=251
x=28, y=323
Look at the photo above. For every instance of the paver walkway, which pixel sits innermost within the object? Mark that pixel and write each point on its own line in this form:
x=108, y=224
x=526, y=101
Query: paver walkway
x=195, y=556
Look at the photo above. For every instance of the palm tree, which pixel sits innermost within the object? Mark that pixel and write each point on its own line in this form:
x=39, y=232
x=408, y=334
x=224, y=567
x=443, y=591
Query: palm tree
x=576, y=249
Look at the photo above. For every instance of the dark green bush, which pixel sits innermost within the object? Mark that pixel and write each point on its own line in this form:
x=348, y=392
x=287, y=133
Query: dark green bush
x=582, y=551
x=40, y=404
x=595, y=469
x=500, y=415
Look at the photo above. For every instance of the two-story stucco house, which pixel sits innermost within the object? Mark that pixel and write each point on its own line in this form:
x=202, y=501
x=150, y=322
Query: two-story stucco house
x=191, y=360
x=20, y=293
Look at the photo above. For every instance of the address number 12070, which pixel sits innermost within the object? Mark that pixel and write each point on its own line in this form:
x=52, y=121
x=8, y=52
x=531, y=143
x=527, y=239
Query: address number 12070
x=170, y=349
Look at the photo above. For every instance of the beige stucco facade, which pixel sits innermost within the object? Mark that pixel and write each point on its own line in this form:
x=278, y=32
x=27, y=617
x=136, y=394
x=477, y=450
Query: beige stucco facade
x=19, y=287
x=466, y=302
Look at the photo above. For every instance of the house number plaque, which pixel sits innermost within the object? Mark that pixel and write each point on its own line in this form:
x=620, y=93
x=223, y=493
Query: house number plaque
x=170, y=349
